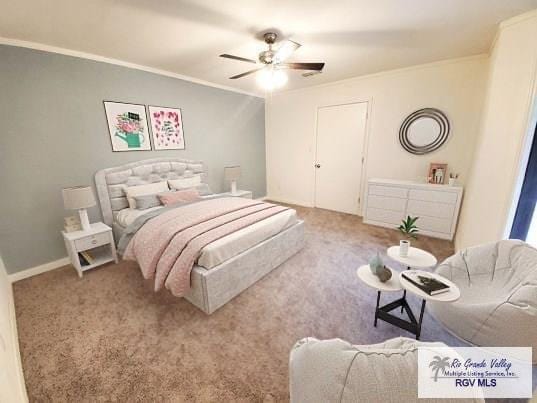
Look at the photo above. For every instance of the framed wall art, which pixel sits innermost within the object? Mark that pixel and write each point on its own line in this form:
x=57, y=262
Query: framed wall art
x=167, y=128
x=127, y=126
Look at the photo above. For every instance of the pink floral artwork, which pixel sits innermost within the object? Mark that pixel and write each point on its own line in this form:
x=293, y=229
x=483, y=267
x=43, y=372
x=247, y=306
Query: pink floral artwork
x=167, y=128
x=127, y=126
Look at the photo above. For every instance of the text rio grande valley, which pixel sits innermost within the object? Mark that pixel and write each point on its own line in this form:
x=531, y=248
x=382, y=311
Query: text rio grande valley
x=470, y=373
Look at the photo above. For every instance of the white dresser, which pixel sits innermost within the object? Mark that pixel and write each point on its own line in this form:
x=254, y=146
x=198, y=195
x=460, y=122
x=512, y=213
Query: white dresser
x=437, y=206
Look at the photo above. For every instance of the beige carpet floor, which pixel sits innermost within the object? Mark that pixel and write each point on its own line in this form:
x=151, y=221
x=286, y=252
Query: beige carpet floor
x=107, y=336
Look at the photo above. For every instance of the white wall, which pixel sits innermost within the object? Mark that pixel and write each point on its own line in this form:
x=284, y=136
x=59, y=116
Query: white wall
x=504, y=129
x=12, y=389
x=454, y=86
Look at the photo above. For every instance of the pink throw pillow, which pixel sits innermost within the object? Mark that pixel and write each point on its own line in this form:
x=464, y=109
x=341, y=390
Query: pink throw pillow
x=181, y=196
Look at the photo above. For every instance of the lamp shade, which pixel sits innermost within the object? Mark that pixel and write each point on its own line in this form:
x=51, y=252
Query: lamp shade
x=232, y=173
x=78, y=197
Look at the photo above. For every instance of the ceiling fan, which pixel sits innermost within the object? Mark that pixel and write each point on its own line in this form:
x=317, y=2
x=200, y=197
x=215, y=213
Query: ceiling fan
x=276, y=58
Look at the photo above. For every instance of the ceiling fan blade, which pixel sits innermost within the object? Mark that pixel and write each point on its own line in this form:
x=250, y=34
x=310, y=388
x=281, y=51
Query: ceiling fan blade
x=242, y=59
x=245, y=74
x=285, y=50
x=302, y=66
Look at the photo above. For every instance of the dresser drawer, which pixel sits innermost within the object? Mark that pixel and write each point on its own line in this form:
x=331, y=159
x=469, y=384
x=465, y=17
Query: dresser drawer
x=384, y=216
x=433, y=196
x=391, y=191
x=425, y=208
x=386, y=203
x=434, y=224
x=92, y=241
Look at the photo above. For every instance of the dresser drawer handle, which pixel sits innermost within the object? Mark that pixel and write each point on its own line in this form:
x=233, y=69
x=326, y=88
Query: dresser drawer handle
x=93, y=241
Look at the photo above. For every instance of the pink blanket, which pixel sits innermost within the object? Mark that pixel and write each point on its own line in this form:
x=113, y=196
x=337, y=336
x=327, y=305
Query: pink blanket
x=167, y=246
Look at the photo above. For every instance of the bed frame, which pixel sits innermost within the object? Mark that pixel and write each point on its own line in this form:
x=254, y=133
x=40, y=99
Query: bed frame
x=210, y=289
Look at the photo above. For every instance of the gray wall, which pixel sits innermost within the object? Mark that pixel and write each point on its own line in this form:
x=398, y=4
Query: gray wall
x=54, y=134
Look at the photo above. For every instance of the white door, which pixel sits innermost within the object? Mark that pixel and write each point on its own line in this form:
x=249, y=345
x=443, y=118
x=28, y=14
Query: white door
x=338, y=166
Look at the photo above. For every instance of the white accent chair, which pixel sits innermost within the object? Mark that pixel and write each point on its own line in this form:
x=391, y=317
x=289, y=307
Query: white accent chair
x=325, y=371
x=498, y=303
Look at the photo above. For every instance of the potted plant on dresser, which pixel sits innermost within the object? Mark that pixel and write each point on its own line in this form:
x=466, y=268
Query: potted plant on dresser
x=410, y=230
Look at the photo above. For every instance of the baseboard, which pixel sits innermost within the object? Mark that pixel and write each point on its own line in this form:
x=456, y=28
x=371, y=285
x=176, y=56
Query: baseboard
x=34, y=271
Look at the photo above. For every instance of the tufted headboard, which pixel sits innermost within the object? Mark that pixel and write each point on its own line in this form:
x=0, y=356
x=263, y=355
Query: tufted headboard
x=111, y=182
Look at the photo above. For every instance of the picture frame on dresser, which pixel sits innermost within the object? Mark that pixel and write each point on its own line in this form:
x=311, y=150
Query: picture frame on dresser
x=437, y=173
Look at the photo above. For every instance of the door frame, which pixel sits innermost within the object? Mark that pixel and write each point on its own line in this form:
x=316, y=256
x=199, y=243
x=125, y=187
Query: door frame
x=365, y=149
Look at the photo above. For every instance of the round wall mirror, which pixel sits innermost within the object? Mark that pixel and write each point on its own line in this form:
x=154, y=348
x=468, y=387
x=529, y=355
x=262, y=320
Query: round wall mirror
x=424, y=131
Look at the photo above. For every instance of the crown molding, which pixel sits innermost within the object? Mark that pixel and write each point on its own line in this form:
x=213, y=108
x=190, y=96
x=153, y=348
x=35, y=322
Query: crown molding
x=518, y=19
x=89, y=56
x=495, y=39
x=510, y=22
x=389, y=72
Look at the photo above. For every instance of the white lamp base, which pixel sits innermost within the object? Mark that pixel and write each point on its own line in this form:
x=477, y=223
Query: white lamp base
x=233, y=187
x=84, y=220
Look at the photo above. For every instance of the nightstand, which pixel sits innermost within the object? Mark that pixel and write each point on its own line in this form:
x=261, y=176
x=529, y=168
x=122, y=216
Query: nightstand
x=247, y=194
x=90, y=249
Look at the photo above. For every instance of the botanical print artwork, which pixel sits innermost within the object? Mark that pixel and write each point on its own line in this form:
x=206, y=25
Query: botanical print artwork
x=167, y=128
x=127, y=126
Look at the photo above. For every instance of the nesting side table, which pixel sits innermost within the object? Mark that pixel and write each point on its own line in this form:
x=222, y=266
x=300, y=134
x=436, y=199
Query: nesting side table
x=397, y=283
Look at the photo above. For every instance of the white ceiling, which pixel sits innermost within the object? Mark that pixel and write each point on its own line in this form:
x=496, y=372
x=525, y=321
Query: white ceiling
x=353, y=37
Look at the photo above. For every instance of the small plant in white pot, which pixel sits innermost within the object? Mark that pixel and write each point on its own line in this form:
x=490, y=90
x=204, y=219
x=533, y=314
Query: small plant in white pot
x=410, y=230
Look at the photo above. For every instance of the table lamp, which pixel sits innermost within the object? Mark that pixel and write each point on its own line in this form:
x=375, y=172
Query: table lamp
x=79, y=198
x=232, y=174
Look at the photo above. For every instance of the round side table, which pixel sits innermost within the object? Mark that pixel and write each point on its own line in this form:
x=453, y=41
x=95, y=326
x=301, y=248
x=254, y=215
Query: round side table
x=364, y=273
x=453, y=294
x=367, y=277
x=416, y=259
x=398, y=283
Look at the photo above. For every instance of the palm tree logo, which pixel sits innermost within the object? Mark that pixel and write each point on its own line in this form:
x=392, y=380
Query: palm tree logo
x=438, y=364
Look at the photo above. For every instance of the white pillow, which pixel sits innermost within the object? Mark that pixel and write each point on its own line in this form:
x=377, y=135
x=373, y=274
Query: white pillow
x=142, y=190
x=185, y=183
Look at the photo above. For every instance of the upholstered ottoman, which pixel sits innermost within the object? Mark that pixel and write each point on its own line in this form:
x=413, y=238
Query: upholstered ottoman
x=336, y=371
x=498, y=303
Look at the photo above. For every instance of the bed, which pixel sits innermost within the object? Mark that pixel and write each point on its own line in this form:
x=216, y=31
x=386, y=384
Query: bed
x=226, y=266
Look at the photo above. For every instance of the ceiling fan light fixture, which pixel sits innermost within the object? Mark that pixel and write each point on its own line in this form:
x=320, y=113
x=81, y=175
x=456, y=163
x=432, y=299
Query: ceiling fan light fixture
x=270, y=74
x=286, y=49
x=271, y=78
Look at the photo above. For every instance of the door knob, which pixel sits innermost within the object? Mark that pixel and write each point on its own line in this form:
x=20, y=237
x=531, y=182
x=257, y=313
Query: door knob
x=317, y=165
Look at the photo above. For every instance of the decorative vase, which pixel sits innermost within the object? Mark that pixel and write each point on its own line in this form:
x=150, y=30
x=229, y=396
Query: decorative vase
x=375, y=263
x=452, y=181
x=384, y=274
x=404, y=244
